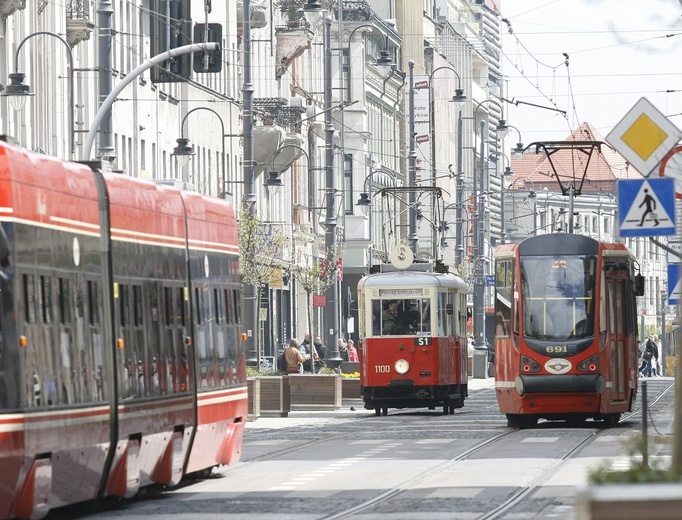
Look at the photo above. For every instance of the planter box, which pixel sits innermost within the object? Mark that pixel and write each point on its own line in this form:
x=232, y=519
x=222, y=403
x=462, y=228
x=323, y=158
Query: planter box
x=350, y=388
x=253, y=388
x=315, y=392
x=275, y=396
x=660, y=501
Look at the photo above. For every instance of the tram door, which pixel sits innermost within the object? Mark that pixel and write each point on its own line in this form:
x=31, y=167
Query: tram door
x=617, y=335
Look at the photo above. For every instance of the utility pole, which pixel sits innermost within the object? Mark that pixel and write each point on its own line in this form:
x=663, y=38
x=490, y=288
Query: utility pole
x=105, y=13
x=479, y=261
x=459, y=225
x=331, y=308
x=412, y=169
x=250, y=314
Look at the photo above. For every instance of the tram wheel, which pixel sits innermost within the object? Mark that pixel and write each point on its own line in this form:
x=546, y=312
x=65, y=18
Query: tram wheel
x=384, y=411
x=377, y=411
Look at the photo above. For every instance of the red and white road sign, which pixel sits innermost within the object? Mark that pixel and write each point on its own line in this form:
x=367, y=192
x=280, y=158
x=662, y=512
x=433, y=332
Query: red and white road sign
x=671, y=166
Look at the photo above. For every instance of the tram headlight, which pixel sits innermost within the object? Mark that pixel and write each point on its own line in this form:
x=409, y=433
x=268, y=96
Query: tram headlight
x=402, y=366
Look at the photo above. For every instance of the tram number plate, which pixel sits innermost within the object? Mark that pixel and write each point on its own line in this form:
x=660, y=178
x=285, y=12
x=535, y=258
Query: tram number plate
x=422, y=341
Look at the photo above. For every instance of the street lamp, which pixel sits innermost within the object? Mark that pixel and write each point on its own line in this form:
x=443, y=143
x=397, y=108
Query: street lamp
x=18, y=91
x=365, y=201
x=184, y=151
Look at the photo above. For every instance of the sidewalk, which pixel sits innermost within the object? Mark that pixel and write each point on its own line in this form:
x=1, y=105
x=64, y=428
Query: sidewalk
x=350, y=408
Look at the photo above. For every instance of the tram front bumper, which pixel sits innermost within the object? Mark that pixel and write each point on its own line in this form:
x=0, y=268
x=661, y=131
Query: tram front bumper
x=560, y=383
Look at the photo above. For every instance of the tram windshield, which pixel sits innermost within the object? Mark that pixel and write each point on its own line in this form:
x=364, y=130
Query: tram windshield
x=397, y=317
x=558, y=296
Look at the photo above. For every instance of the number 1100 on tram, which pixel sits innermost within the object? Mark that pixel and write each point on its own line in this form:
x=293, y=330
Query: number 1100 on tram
x=413, y=349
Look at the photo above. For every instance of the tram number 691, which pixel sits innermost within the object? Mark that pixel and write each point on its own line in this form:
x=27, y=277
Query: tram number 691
x=382, y=369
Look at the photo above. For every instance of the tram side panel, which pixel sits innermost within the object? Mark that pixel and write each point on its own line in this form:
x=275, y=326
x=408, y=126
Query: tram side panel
x=222, y=405
x=54, y=420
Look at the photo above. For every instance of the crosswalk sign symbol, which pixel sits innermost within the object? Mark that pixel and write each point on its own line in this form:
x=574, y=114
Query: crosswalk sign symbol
x=674, y=284
x=646, y=207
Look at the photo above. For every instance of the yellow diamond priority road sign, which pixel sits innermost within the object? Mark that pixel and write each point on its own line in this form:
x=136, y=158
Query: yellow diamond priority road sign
x=644, y=136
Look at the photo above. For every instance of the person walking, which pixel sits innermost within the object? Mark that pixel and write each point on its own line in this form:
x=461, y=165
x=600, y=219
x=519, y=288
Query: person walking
x=648, y=356
x=294, y=358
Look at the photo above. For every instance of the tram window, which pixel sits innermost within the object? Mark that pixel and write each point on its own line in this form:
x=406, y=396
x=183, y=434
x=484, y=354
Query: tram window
x=167, y=306
x=237, y=307
x=29, y=298
x=45, y=300
x=64, y=301
x=199, y=319
x=557, y=295
x=137, y=306
x=503, y=295
x=219, y=311
x=182, y=316
x=400, y=317
x=124, y=305
x=228, y=305
x=93, y=303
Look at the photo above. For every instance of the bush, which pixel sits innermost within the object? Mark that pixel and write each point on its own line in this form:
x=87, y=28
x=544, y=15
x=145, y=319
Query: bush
x=253, y=372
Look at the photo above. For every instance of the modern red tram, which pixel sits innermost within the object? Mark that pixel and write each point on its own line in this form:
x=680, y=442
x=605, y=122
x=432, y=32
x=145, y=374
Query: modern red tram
x=120, y=360
x=413, y=348
x=566, y=329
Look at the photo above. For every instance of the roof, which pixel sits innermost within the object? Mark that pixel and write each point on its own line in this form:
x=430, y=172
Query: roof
x=604, y=166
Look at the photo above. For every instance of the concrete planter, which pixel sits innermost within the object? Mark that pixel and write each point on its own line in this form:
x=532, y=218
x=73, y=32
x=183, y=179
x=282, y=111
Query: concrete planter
x=253, y=388
x=275, y=396
x=350, y=388
x=315, y=392
x=660, y=501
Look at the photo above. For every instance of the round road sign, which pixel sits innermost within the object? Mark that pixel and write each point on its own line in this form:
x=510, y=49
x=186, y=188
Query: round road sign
x=671, y=166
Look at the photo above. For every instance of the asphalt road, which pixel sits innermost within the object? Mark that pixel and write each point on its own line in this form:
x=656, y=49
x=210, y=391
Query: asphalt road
x=411, y=464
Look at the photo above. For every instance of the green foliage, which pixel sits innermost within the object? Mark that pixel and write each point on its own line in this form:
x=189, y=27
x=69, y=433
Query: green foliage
x=637, y=472
x=253, y=372
x=261, y=247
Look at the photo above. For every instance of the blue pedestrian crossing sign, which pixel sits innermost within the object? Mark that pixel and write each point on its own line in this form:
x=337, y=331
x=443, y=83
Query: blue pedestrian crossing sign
x=646, y=207
x=674, y=284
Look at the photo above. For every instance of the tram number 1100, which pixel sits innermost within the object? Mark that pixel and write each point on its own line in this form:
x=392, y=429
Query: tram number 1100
x=382, y=369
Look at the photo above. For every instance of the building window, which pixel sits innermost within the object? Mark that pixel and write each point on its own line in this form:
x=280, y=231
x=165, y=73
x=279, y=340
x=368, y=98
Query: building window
x=348, y=183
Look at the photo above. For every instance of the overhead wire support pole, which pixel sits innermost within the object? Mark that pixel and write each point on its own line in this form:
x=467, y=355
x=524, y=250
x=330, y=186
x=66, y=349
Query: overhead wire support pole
x=250, y=314
x=331, y=317
x=412, y=168
x=479, y=261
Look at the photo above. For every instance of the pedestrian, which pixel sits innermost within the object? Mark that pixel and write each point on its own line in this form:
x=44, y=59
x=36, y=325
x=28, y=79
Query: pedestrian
x=648, y=356
x=352, y=351
x=320, y=353
x=304, y=347
x=343, y=351
x=294, y=358
x=654, y=361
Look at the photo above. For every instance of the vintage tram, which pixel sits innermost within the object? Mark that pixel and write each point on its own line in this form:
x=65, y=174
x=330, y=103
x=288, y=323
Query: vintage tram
x=565, y=329
x=120, y=356
x=413, y=348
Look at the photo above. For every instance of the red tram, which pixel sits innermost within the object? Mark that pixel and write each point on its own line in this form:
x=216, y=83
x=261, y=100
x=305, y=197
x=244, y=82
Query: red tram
x=120, y=360
x=566, y=329
x=413, y=348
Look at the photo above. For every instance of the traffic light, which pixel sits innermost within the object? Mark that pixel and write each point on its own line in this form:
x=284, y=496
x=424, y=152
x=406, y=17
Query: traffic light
x=208, y=61
x=170, y=26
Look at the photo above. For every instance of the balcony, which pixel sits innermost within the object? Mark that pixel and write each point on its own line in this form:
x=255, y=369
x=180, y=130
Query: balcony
x=78, y=24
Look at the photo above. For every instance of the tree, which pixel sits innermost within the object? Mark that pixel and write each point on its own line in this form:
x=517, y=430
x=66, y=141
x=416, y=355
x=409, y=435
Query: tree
x=310, y=270
x=261, y=247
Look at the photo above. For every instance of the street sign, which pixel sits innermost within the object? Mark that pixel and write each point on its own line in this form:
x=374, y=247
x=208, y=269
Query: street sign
x=644, y=136
x=490, y=280
x=646, y=207
x=671, y=166
x=674, y=284
x=677, y=248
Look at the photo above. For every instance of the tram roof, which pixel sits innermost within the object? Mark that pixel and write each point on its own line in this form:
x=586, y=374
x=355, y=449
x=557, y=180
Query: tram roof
x=412, y=279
